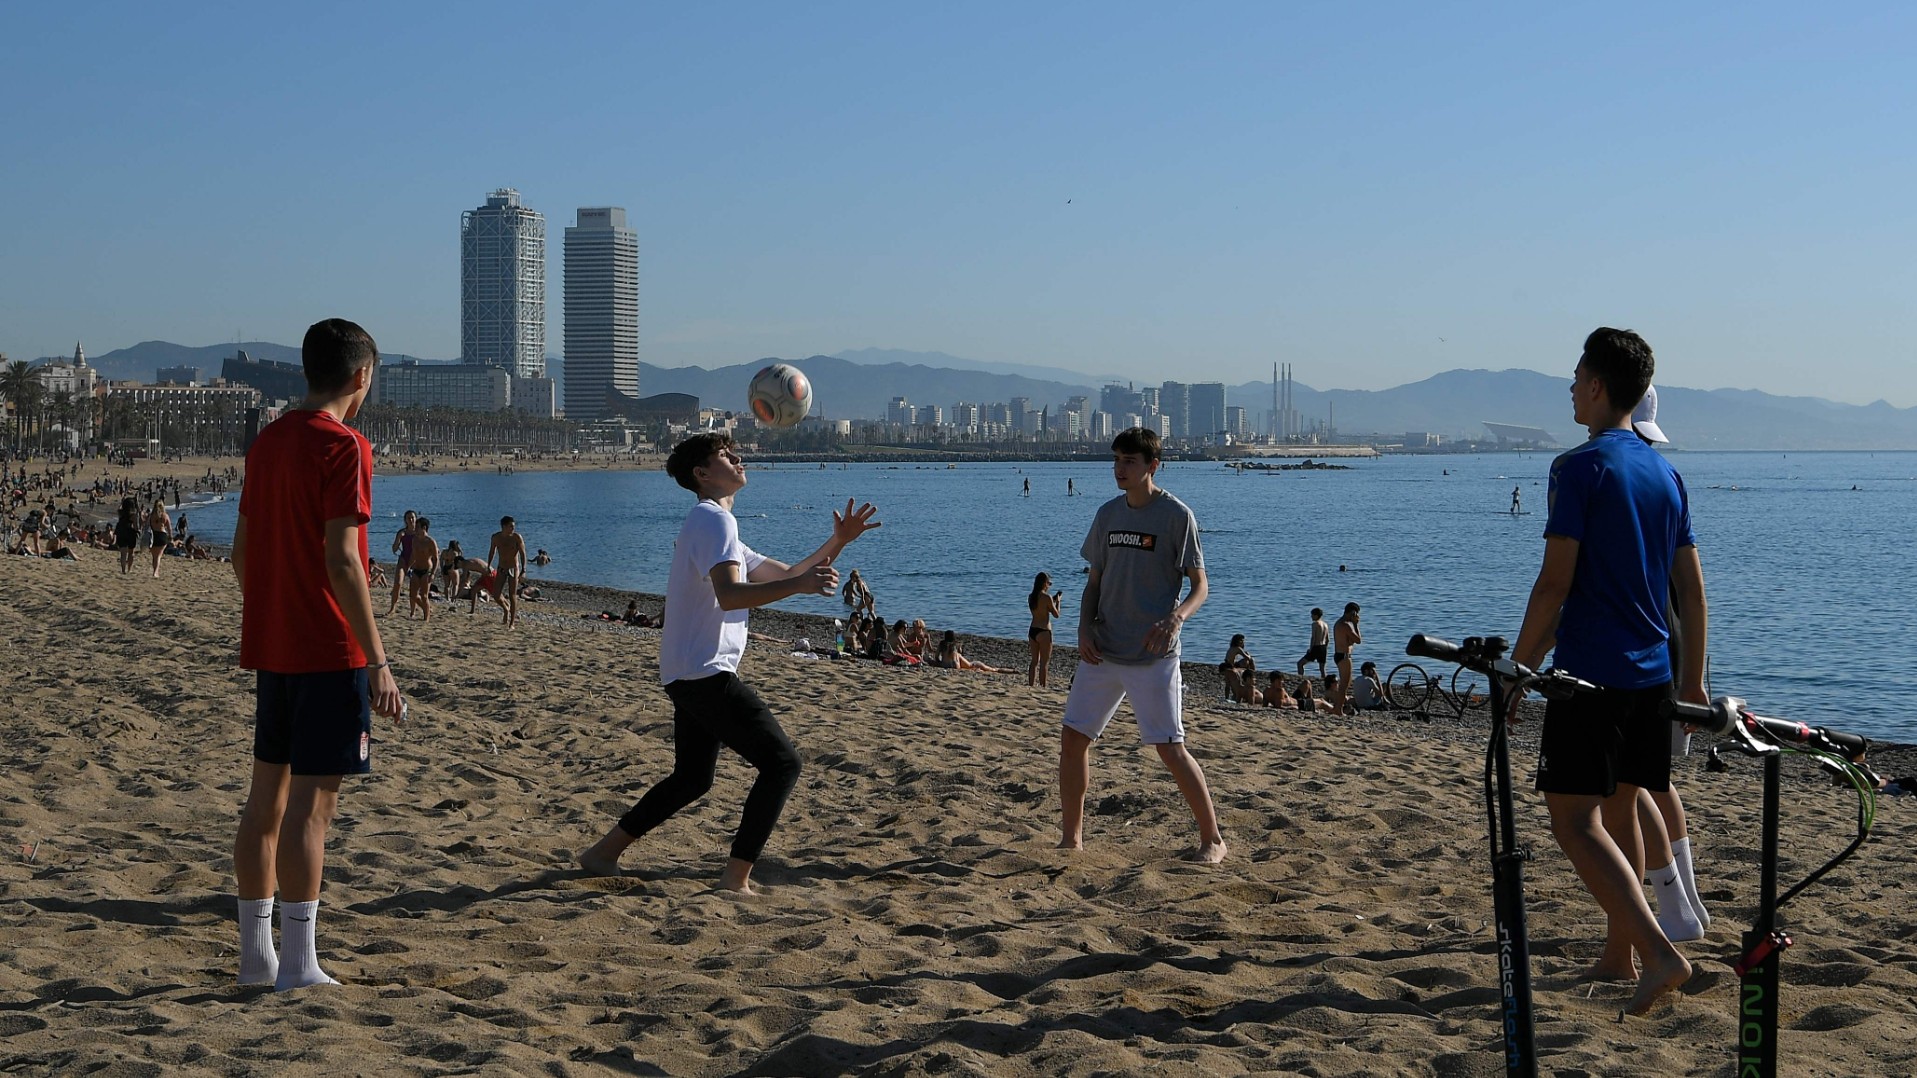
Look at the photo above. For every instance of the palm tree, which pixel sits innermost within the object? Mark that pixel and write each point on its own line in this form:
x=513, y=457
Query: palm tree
x=20, y=385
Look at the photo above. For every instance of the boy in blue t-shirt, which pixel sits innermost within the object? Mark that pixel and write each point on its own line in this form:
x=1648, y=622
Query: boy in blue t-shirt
x=1617, y=541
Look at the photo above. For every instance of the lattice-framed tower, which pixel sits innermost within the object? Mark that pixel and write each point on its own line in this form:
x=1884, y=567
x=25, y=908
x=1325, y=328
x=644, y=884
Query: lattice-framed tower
x=502, y=286
x=602, y=313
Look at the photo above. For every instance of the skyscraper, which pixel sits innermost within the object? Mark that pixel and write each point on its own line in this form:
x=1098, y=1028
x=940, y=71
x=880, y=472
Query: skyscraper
x=1207, y=409
x=502, y=286
x=1174, y=404
x=602, y=313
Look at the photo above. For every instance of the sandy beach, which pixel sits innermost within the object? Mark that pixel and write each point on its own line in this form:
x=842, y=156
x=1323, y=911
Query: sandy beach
x=915, y=918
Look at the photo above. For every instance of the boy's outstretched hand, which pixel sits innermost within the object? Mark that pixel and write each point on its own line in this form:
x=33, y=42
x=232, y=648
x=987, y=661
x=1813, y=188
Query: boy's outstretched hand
x=852, y=523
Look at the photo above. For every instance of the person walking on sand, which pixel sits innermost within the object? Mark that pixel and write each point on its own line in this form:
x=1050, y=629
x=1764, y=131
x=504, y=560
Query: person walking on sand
x=307, y=630
x=1043, y=604
x=126, y=532
x=1320, y=643
x=1617, y=540
x=712, y=585
x=419, y=575
x=162, y=528
x=402, y=551
x=510, y=548
x=1141, y=551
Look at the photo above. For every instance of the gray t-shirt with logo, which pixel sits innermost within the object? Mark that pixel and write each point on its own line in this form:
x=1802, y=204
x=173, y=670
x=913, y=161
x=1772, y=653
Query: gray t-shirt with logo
x=1141, y=556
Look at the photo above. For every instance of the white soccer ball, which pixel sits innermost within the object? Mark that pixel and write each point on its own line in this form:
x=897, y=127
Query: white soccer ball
x=781, y=395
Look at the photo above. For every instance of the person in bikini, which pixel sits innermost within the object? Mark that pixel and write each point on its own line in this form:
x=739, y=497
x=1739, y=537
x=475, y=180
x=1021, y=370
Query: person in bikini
x=951, y=658
x=1238, y=668
x=1344, y=636
x=162, y=527
x=1044, y=605
x=402, y=551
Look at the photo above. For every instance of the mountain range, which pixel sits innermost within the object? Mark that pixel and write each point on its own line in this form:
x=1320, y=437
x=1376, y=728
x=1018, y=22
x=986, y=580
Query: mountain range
x=858, y=384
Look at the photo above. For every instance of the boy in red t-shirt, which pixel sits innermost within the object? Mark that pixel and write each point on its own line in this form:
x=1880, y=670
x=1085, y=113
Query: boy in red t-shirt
x=307, y=628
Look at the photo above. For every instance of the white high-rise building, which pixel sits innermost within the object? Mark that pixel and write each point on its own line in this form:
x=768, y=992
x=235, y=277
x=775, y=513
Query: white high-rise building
x=602, y=313
x=502, y=286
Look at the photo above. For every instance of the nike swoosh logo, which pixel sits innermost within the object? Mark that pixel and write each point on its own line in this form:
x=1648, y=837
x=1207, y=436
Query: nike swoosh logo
x=301, y=920
x=263, y=916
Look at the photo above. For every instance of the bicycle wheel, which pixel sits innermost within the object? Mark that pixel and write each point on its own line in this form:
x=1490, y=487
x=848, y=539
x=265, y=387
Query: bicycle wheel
x=1408, y=687
x=1469, y=690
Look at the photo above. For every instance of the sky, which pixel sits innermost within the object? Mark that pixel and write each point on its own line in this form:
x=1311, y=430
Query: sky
x=1372, y=193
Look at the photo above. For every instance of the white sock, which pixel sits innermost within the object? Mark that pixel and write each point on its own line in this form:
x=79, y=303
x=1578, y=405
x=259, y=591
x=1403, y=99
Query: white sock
x=1674, y=914
x=1681, y=849
x=258, y=963
x=300, y=967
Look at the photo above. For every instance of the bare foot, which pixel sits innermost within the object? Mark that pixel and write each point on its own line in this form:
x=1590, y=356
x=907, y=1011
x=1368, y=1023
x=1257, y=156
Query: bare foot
x=1070, y=844
x=1604, y=971
x=737, y=877
x=1657, y=982
x=1208, y=853
x=595, y=865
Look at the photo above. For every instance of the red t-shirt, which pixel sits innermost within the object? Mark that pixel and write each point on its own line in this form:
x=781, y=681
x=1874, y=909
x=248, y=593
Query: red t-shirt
x=304, y=469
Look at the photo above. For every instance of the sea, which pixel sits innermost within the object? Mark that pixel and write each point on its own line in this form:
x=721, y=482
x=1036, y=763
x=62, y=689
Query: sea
x=1805, y=554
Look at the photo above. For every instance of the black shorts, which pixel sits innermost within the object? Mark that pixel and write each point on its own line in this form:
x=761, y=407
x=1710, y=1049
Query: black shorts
x=321, y=724
x=1315, y=655
x=1597, y=740
x=1341, y=656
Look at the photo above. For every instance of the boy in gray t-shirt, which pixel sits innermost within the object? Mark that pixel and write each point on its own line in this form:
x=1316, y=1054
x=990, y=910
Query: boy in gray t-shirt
x=1141, y=549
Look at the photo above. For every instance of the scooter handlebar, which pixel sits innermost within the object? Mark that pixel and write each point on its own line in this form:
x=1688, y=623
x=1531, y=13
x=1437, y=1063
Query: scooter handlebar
x=1727, y=712
x=1430, y=647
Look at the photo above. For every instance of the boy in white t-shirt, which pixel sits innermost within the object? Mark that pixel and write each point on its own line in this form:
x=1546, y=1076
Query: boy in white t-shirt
x=714, y=582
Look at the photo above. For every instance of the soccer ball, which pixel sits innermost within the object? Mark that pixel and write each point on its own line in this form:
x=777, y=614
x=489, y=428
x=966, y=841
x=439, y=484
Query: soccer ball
x=780, y=395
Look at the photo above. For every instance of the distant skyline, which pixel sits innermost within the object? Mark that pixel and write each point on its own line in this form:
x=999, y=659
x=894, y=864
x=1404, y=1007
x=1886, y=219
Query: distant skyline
x=1372, y=194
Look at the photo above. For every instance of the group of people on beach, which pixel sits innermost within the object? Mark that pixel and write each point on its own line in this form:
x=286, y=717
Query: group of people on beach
x=420, y=566
x=1619, y=553
x=1345, y=692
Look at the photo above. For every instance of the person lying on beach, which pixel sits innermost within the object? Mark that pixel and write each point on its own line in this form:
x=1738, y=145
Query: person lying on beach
x=632, y=616
x=951, y=658
x=1275, y=694
x=1308, y=698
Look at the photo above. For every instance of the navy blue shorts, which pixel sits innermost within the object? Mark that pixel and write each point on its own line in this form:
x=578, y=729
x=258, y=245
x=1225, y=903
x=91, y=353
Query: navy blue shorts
x=320, y=724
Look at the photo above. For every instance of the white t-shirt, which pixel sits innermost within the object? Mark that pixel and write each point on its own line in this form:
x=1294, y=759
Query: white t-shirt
x=700, y=639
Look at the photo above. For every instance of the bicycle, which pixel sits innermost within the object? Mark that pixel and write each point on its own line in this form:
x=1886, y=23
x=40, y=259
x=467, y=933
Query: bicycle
x=1409, y=688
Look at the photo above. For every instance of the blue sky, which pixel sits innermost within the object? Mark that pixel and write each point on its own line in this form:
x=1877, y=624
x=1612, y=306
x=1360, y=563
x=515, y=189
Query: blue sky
x=1372, y=193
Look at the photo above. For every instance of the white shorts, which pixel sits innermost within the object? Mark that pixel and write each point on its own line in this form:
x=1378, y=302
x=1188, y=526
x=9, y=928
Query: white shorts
x=1156, y=690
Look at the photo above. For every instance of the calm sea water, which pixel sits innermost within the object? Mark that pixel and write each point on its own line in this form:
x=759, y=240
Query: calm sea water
x=1804, y=553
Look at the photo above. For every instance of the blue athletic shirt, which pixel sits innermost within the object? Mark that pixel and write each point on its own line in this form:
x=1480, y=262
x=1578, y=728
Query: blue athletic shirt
x=1626, y=507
